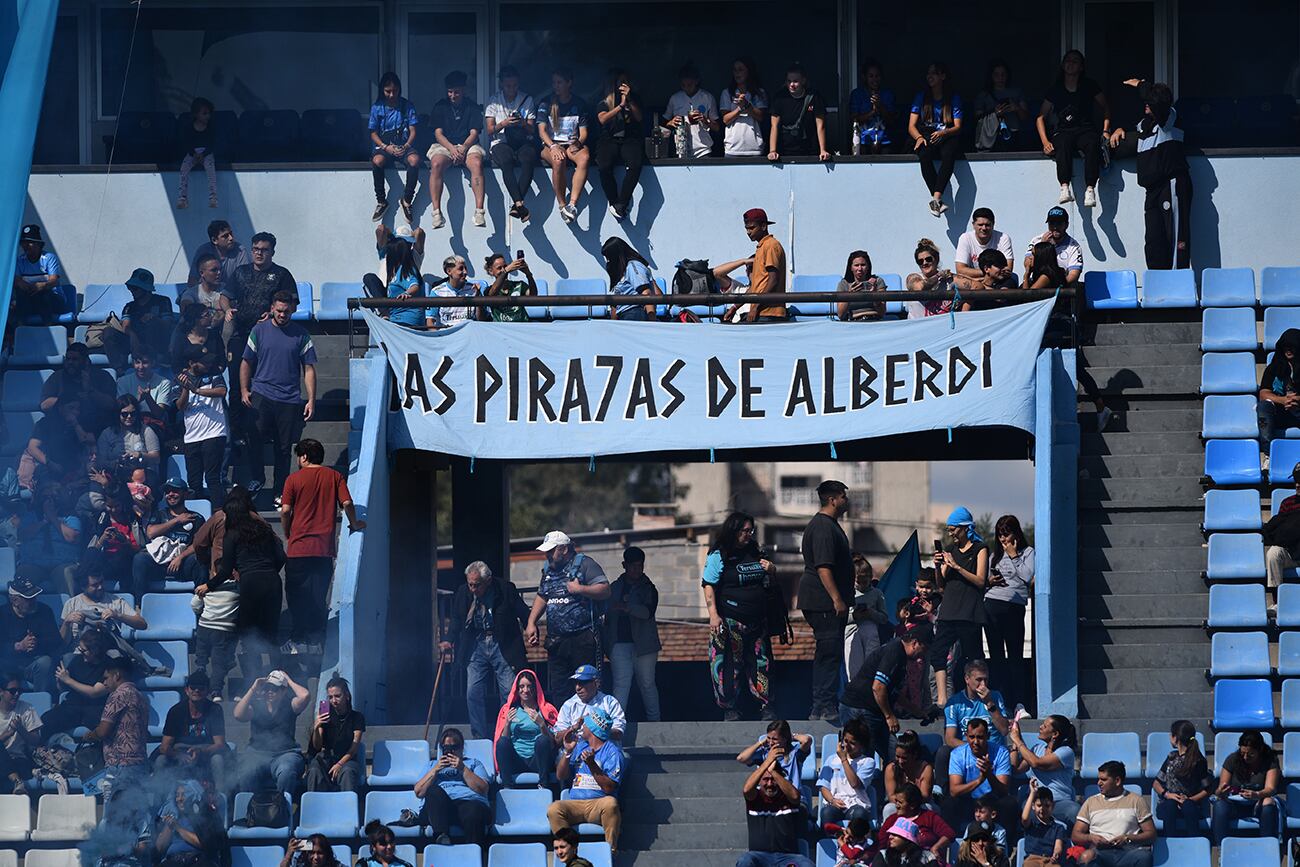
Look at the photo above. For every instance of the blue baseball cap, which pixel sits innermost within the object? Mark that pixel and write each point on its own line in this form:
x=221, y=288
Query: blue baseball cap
x=585, y=672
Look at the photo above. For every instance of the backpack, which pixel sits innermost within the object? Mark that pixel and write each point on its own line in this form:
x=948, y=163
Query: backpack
x=266, y=809
x=694, y=277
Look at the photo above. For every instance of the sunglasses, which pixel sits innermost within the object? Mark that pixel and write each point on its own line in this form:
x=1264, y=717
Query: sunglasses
x=926, y=260
x=14, y=690
x=127, y=414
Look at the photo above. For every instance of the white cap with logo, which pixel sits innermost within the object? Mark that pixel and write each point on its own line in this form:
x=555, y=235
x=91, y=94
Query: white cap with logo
x=554, y=539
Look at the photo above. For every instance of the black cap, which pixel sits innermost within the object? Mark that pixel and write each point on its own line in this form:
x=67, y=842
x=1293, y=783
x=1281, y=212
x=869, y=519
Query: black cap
x=199, y=679
x=32, y=232
x=1055, y=213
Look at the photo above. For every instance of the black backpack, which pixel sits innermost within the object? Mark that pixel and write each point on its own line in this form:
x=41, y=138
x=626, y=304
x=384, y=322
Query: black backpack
x=694, y=277
x=266, y=809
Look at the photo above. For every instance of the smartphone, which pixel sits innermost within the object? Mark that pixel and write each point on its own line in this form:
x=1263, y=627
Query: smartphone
x=323, y=708
x=303, y=846
x=519, y=255
x=938, y=546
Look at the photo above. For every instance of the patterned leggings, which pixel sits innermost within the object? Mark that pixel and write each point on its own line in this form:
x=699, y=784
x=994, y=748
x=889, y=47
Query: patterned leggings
x=738, y=654
x=209, y=165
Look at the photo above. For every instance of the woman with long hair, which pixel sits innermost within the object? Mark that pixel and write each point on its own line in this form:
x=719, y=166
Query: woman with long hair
x=1011, y=581
x=736, y=578
x=935, y=130
x=562, y=127
x=1281, y=381
x=1000, y=111
x=858, y=277
x=1182, y=786
x=929, y=277
x=1248, y=782
x=743, y=105
x=622, y=140
x=629, y=274
x=130, y=438
x=1044, y=271
x=383, y=847
x=319, y=853
x=911, y=767
x=392, y=133
x=1076, y=100
x=524, y=739
x=404, y=281
x=251, y=548
x=1050, y=761
x=197, y=334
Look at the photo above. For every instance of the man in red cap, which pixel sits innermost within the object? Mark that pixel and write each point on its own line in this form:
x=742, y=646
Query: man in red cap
x=769, y=268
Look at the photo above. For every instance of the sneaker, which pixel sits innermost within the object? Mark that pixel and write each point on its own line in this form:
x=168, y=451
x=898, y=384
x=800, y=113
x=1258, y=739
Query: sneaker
x=407, y=819
x=289, y=648
x=480, y=219
x=182, y=203
x=380, y=208
x=1263, y=463
x=731, y=716
x=830, y=715
x=569, y=212
x=406, y=210
x=279, y=501
x=162, y=671
x=943, y=207
x=613, y=211
x=442, y=840
x=1067, y=195
x=1090, y=197
x=255, y=486
x=767, y=714
x=20, y=788
x=514, y=211
x=1103, y=418
x=215, y=697
x=438, y=221
x=523, y=214
x=934, y=207
x=212, y=201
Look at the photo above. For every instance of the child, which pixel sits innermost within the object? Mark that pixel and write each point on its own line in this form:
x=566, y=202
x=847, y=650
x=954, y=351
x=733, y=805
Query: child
x=197, y=139
x=564, y=845
x=847, y=779
x=793, y=747
x=986, y=815
x=854, y=843
x=981, y=850
x=1045, y=835
x=215, y=639
x=202, y=407
x=862, y=635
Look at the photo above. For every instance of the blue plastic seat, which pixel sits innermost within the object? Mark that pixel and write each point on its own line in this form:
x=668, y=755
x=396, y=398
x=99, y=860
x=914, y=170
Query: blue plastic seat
x=1276, y=321
x=1228, y=287
x=515, y=855
x=1288, y=654
x=305, y=304
x=522, y=813
x=1158, y=748
x=1255, y=851
x=266, y=136
x=18, y=428
x=1111, y=290
x=22, y=390
x=333, y=814
x=1155, y=799
x=332, y=305
x=1282, y=458
x=1290, y=704
x=1099, y=747
x=827, y=852
x=460, y=855
x=591, y=829
x=815, y=283
x=1276, y=498
x=1243, y=704
x=571, y=286
x=202, y=508
x=1231, y=510
x=240, y=810
x=481, y=749
x=1239, y=654
x=144, y=137
x=102, y=299
x=169, y=615
x=398, y=763
x=1229, y=416
x=1181, y=852
x=1237, y=606
x=335, y=135
x=387, y=807
x=169, y=654
x=893, y=283
x=159, y=704
x=1291, y=757
x=1235, y=557
x=1288, y=606
x=1279, y=287
x=256, y=856
x=1169, y=288
x=1228, y=373
x=1228, y=329
x=541, y=312
x=39, y=346
x=1233, y=462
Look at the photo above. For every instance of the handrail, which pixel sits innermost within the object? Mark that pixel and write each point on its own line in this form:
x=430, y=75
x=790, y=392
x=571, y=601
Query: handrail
x=711, y=299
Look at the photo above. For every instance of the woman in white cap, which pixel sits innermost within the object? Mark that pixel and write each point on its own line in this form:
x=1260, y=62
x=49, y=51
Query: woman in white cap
x=271, y=707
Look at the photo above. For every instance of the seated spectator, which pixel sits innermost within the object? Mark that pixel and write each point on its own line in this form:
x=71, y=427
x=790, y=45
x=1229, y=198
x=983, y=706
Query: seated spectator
x=980, y=237
x=564, y=848
x=457, y=122
x=996, y=273
x=271, y=707
x=201, y=403
x=743, y=103
x=29, y=637
x=932, y=278
x=1050, y=762
x=230, y=253
x=55, y=444
x=935, y=130
x=194, y=734
x=95, y=387
x=975, y=769
x=392, y=126
x=1069, y=255
x=49, y=540
x=148, y=317
x=254, y=287
x=315, y=851
x=458, y=285
x=119, y=535
x=929, y=830
x=873, y=107
x=586, y=698
x=454, y=790
x=562, y=127
x=767, y=271
x=847, y=780
x=197, y=139
x=169, y=554
x=591, y=766
x=730, y=283
x=1279, y=391
x=510, y=120
x=1114, y=826
x=858, y=277
x=798, y=126
x=391, y=244
x=628, y=275
x=197, y=337
x=189, y=830
x=851, y=842
x=332, y=762
x=36, y=279
x=976, y=700
x=212, y=294
x=405, y=282
x=524, y=739
x=1248, y=782
x=982, y=850
x=94, y=607
x=215, y=638
x=775, y=815
x=910, y=767
x=874, y=690
x=1181, y=785
x=779, y=739
x=1042, y=270
x=622, y=140
x=503, y=284
x=903, y=847
x=1001, y=115
x=130, y=439
x=1075, y=99
x=383, y=847
x=154, y=391
x=1045, y=835
x=694, y=109
x=123, y=726
x=81, y=679
x=986, y=821
x=20, y=733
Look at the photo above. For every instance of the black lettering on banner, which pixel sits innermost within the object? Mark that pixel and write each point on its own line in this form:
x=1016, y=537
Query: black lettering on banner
x=642, y=392
x=749, y=391
x=829, y=406
x=955, y=355
x=666, y=383
x=575, y=393
x=986, y=364
x=717, y=373
x=863, y=376
x=512, y=391
x=487, y=384
x=893, y=384
x=926, y=370
x=540, y=380
x=800, y=391
x=615, y=365
x=448, y=396
x=413, y=384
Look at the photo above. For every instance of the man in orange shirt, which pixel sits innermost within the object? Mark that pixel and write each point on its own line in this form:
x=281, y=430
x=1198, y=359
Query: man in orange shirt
x=769, y=267
x=309, y=504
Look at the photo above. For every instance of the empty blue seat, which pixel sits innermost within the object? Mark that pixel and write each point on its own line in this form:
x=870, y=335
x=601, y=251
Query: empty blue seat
x=398, y=763
x=522, y=813
x=1229, y=416
x=159, y=704
x=255, y=856
x=239, y=832
x=337, y=135
x=1279, y=287
x=515, y=855
x=1288, y=606
x=570, y=287
x=1228, y=287
x=1181, y=852
x=1276, y=321
x=332, y=305
x=268, y=135
x=1233, y=462
x=1237, y=606
x=166, y=654
x=18, y=431
x=1291, y=704
x=169, y=615
x=1291, y=757
x=1239, y=654
x=1255, y=851
x=203, y=508
x=893, y=283
x=1111, y=290
x=39, y=346
x=102, y=299
x=541, y=312
x=1228, y=329
x=1231, y=510
x=305, y=306
x=1099, y=747
x=1228, y=373
x=1243, y=704
x=1235, y=557
x=815, y=283
x=481, y=749
x=387, y=807
x=1169, y=288
x=827, y=852
x=1283, y=455
x=22, y=390
x=1277, y=497
x=333, y=814
x=1158, y=748
x=1288, y=654
x=461, y=855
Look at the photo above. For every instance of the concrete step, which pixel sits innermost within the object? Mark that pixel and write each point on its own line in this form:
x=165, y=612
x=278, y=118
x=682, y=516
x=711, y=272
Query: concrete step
x=1136, y=680
x=1139, y=633
x=1124, y=583
x=639, y=785
x=682, y=811
x=652, y=837
x=676, y=857
x=1194, y=655
x=1142, y=466
x=1122, y=443
x=1141, y=355
x=1145, y=333
x=1186, y=534
x=1160, y=606
x=1174, y=705
x=1180, y=559
x=1121, y=517
x=708, y=737
x=1167, y=379
x=1170, y=491
x=1152, y=420
x=655, y=762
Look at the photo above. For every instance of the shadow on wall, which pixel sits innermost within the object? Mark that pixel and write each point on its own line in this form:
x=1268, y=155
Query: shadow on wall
x=1102, y=217
x=1206, y=252
x=963, y=200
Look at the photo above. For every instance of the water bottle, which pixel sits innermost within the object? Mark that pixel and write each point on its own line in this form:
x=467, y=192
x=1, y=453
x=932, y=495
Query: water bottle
x=679, y=138
x=1003, y=132
x=856, y=143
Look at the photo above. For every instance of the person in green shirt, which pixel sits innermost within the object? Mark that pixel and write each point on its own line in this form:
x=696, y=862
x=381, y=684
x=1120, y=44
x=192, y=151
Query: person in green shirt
x=503, y=284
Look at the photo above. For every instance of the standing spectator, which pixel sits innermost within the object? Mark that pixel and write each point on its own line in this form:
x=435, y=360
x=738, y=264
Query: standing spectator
x=572, y=586
x=94, y=607
x=457, y=285
x=81, y=678
x=587, y=697
x=935, y=130
x=744, y=111
x=197, y=335
x=392, y=133
x=29, y=637
x=524, y=739
x=591, y=764
x=1075, y=99
x=873, y=108
x=511, y=124
x=735, y=580
x=93, y=385
x=335, y=742
x=130, y=440
x=253, y=550
x=1180, y=785
x=20, y=732
x=222, y=244
x=976, y=768
x=215, y=638
x=629, y=275
x=271, y=707
x=981, y=236
x=148, y=317
x=309, y=505
x=867, y=616
x=503, y=284
x=457, y=123
x=695, y=109
x=194, y=733
x=278, y=357
x=873, y=691
x=201, y=403
x=1011, y=580
x=847, y=779
x=963, y=572
x=37, y=275
x=775, y=816
x=172, y=559
x=858, y=277
x=562, y=126
x=793, y=748
x=824, y=587
x=486, y=640
x=1001, y=114
x=768, y=270
x=124, y=726
x=1050, y=762
x=55, y=445
x=1114, y=826
x=49, y=540
x=255, y=286
x=632, y=633
x=798, y=120
x=454, y=790
x=1069, y=255
x=622, y=140
x=196, y=142
x=155, y=392
x=1248, y=782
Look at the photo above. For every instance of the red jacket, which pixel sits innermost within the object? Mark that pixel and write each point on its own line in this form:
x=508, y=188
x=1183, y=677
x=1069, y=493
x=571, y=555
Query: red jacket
x=548, y=711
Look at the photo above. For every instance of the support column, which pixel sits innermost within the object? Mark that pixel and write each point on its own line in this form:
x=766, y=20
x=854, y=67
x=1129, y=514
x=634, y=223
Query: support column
x=480, y=517
x=413, y=544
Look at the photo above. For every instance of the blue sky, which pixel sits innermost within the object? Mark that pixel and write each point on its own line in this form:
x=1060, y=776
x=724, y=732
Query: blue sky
x=1000, y=487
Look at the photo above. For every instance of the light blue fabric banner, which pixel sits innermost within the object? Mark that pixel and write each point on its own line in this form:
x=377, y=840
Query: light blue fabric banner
x=578, y=389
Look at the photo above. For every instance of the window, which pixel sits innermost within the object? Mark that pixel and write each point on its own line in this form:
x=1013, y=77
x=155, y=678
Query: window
x=798, y=493
x=58, y=135
x=437, y=43
x=1253, y=51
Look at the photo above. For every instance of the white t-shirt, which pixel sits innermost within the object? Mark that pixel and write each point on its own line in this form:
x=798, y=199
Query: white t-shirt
x=832, y=777
x=499, y=109
x=698, y=138
x=743, y=137
x=1069, y=255
x=969, y=248
x=454, y=315
x=205, y=417
x=28, y=720
x=573, y=710
x=80, y=603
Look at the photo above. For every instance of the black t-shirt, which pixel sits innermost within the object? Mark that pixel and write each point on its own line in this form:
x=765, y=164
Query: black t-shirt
x=824, y=544
x=774, y=825
x=1245, y=778
x=150, y=306
x=58, y=440
x=456, y=121
x=190, y=731
x=888, y=664
x=797, y=134
x=88, y=673
x=623, y=125
x=962, y=600
x=1074, y=110
x=272, y=731
x=337, y=737
x=1277, y=378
